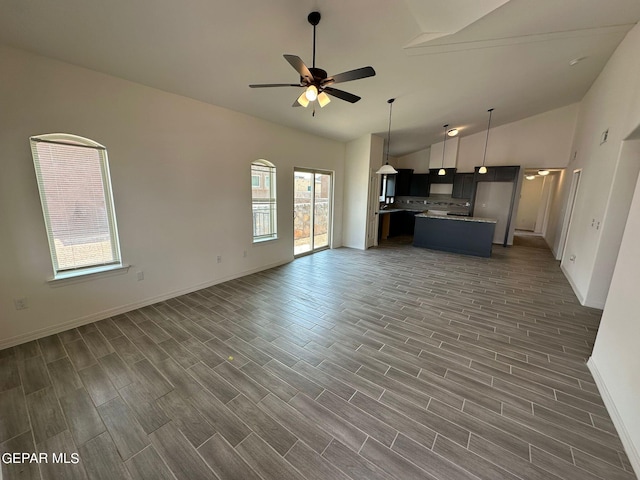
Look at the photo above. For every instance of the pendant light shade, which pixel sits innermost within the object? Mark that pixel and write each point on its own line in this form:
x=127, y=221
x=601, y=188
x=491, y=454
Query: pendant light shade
x=387, y=169
x=483, y=169
x=442, y=171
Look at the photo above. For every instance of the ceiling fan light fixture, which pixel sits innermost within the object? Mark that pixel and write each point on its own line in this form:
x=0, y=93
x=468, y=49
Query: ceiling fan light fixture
x=543, y=172
x=302, y=100
x=311, y=93
x=323, y=99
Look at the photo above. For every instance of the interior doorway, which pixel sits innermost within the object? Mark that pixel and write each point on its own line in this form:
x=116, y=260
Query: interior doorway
x=575, y=183
x=312, y=210
x=534, y=207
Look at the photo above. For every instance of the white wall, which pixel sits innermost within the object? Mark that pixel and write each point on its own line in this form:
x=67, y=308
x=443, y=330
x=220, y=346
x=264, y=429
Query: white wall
x=418, y=161
x=530, y=199
x=607, y=106
x=356, y=193
x=181, y=181
x=613, y=103
x=616, y=357
x=540, y=141
x=450, y=154
x=612, y=228
x=544, y=140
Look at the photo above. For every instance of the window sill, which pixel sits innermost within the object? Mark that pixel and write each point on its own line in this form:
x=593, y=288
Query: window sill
x=68, y=278
x=264, y=240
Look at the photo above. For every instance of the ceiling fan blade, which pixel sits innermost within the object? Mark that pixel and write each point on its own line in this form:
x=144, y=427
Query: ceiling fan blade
x=297, y=63
x=269, y=85
x=341, y=94
x=356, y=74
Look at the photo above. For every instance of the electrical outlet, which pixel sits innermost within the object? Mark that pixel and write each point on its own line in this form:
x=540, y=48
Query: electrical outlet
x=21, y=303
x=219, y=258
x=140, y=275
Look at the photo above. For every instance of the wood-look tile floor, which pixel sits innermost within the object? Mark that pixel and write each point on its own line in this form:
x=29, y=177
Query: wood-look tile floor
x=396, y=362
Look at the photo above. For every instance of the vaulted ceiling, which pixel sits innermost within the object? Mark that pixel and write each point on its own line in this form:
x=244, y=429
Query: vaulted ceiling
x=444, y=62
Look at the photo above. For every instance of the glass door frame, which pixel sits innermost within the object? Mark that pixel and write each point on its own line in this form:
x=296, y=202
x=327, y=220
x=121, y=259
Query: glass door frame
x=314, y=171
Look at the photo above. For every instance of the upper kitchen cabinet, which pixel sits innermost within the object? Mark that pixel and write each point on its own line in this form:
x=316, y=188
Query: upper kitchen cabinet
x=498, y=174
x=462, y=185
x=446, y=178
x=419, y=185
x=403, y=182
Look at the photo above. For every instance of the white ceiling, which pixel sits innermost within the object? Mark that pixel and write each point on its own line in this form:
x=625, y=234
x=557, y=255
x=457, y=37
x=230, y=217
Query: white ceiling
x=444, y=61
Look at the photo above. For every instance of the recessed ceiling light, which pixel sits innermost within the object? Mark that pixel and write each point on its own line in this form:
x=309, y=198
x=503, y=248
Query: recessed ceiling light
x=453, y=132
x=575, y=61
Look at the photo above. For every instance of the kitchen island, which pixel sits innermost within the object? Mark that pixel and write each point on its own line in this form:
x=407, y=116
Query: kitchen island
x=467, y=235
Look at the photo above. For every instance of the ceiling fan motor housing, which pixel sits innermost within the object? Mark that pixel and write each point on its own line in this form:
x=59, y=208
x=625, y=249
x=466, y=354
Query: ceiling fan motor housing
x=318, y=76
x=314, y=18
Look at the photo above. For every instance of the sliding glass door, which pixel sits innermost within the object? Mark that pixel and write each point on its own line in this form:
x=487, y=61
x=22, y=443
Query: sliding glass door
x=311, y=210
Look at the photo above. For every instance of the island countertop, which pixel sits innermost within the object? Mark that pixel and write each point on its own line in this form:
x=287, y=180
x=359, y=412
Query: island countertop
x=457, y=218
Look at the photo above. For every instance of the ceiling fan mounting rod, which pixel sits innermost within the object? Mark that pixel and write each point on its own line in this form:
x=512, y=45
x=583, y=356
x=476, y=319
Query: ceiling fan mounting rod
x=314, y=19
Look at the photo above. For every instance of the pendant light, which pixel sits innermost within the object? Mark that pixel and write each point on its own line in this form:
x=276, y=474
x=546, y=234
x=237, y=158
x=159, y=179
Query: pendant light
x=442, y=171
x=387, y=169
x=483, y=169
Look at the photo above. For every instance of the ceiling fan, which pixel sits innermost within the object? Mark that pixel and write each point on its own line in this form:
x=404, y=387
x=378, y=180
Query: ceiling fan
x=316, y=82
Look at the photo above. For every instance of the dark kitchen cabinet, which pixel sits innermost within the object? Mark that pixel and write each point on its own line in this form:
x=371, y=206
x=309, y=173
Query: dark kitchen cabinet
x=446, y=178
x=419, y=185
x=462, y=185
x=507, y=174
x=403, y=182
x=498, y=174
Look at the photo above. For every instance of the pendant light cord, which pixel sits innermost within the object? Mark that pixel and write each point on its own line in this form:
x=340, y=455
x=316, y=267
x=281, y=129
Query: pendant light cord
x=486, y=141
x=390, y=102
x=444, y=142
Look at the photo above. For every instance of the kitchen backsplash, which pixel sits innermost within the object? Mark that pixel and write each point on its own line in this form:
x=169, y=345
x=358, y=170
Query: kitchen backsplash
x=433, y=202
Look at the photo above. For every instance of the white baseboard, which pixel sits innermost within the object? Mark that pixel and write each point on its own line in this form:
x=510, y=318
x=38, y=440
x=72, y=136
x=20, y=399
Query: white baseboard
x=573, y=285
x=94, y=317
x=629, y=447
x=585, y=302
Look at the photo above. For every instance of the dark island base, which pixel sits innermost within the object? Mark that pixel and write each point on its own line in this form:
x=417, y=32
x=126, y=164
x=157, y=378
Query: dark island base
x=452, y=235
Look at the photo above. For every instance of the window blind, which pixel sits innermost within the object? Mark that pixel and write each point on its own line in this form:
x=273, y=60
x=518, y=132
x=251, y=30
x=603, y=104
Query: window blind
x=75, y=191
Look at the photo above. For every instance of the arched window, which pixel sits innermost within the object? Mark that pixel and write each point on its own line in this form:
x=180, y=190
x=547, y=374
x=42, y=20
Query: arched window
x=263, y=200
x=77, y=203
